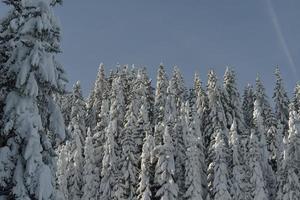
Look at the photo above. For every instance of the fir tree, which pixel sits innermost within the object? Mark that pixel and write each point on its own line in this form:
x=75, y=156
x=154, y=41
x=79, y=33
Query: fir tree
x=109, y=168
x=220, y=188
x=129, y=159
x=194, y=158
x=201, y=104
x=159, y=103
x=34, y=76
x=110, y=176
x=95, y=101
x=266, y=112
x=268, y=172
x=238, y=179
x=281, y=101
x=296, y=98
x=257, y=181
x=99, y=138
x=165, y=169
x=174, y=109
x=217, y=124
x=232, y=104
x=91, y=171
x=75, y=178
x=289, y=185
x=248, y=105
x=145, y=177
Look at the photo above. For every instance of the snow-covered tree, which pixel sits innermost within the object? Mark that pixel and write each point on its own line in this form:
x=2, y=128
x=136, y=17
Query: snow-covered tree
x=238, y=179
x=109, y=164
x=165, y=168
x=110, y=176
x=129, y=158
x=268, y=172
x=62, y=173
x=76, y=159
x=96, y=97
x=173, y=112
x=266, y=112
x=220, y=184
x=248, y=105
x=201, y=104
x=281, y=101
x=146, y=173
x=159, y=103
x=289, y=184
x=258, y=185
x=194, y=157
x=178, y=87
x=143, y=100
x=296, y=98
x=32, y=118
x=232, y=103
x=91, y=171
x=217, y=124
x=216, y=116
x=99, y=138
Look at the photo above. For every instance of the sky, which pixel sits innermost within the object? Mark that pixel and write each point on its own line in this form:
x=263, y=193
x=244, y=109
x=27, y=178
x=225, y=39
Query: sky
x=253, y=37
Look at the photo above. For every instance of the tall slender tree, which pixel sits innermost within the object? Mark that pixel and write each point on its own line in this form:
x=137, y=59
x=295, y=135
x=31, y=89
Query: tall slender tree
x=266, y=112
x=91, y=171
x=296, y=98
x=194, y=157
x=281, y=101
x=35, y=75
x=248, y=105
x=232, y=103
x=146, y=175
x=257, y=182
x=165, y=168
x=289, y=184
x=159, y=103
x=220, y=183
x=268, y=172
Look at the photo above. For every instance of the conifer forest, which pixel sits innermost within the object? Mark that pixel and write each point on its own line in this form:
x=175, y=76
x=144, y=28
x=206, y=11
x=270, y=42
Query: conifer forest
x=133, y=138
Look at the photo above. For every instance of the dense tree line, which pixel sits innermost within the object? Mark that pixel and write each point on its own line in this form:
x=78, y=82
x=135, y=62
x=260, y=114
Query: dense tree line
x=130, y=140
x=175, y=142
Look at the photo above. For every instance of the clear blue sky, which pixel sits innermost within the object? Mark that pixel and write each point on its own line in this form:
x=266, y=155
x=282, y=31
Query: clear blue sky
x=251, y=36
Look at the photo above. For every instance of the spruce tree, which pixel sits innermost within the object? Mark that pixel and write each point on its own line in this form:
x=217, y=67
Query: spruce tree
x=174, y=110
x=96, y=97
x=220, y=184
x=266, y=112
x=232, y=103
x=281, y=101
x=296, y=98
x=217, y=124
x=248, y=105
x=90, y=171
x=289, y=185
x=159, y=103
x=99, y=139
x=165, y=168
x=201, y=104
x=216, y=111
x=109, y=164
x=258, y=185
x=268, y=172
x=146, y=173
x=238, y=178
x=129, y=158
x=194, y=158
x=34, y=76
x=75, y=179
x=110, y=175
